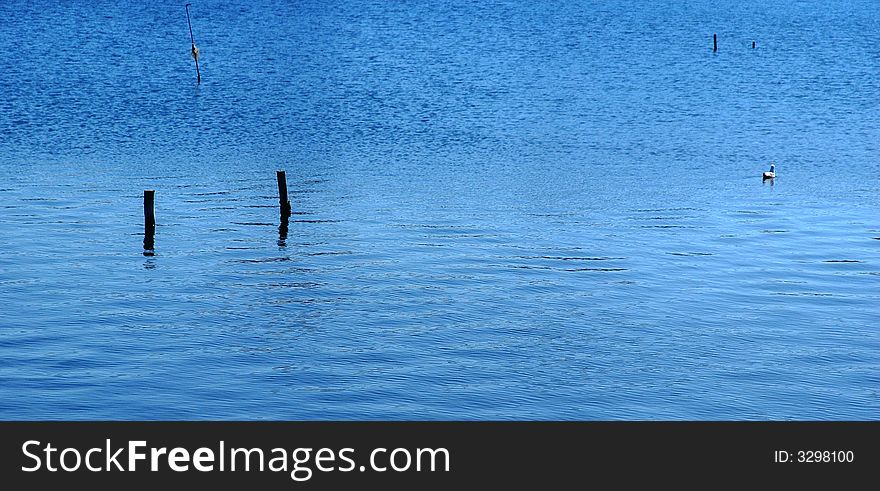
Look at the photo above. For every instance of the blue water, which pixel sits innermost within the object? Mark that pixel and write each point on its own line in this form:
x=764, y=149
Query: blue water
x=502, y=210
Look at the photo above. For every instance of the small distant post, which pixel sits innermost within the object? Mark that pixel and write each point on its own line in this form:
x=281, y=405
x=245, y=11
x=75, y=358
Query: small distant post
x=149, y=210
x=714, y=43
x=149, y=221
x=753, y=45
x=282, y=195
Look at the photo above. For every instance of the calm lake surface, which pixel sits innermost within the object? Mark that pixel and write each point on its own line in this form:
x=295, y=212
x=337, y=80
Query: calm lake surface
x=502, y=210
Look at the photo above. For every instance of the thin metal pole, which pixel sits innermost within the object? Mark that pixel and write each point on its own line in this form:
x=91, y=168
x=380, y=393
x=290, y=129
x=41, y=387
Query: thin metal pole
x=193, y=40
x=190, y=24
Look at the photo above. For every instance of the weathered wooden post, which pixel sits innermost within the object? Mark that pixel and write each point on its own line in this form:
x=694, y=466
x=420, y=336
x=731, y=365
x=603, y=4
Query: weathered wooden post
x=753, y=45
x=714, y=43
x=282, y=195
x=149, y=221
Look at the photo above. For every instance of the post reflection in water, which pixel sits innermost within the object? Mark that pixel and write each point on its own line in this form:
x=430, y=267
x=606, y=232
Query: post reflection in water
x=149, y=242
x=282, y=233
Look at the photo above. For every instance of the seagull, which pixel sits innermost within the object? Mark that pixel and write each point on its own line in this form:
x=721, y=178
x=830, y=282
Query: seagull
x=771, y=173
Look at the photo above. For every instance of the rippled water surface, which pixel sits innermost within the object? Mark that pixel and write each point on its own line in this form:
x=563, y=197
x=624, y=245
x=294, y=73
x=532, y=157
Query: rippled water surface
x=528, y=210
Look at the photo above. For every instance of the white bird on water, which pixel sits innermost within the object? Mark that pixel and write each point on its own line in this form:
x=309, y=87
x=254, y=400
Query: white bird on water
x=771, y=173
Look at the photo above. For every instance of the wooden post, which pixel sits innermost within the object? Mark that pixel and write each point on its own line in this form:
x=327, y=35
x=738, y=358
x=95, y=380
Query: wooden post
x=149, y=221
x=714, y=43
x=282, y=195
x=753, y=45
x=149, y=210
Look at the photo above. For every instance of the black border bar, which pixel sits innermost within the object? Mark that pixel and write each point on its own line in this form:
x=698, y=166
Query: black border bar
x=515, y=454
